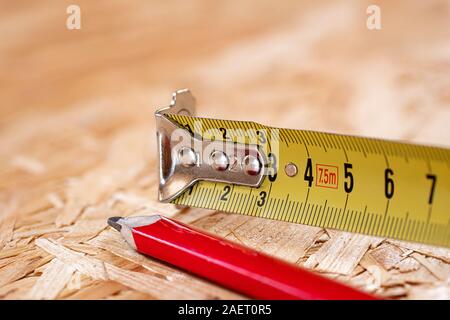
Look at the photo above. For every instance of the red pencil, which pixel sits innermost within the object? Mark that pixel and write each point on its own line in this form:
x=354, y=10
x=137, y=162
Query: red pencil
x=234, y=266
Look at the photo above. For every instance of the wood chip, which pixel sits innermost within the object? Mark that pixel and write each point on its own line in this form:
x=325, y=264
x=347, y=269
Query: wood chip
x=434, y=269
x=96, y=291
x=7, y=222
x=284, y=240
x=18, y=289
x=89, y=266
x=431, y=251
x=387, y=255
x=84, y=230
x=341, y=254
x=408, y=264
x=440, y=292
x=21, y=266
x=29, y=165
x=55, y=277
x=377, y=270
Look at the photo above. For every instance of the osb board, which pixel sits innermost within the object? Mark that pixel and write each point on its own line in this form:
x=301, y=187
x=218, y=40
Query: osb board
x=77, y=131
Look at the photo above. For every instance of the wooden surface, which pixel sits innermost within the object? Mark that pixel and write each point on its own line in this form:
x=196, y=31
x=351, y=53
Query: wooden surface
x=77, y=140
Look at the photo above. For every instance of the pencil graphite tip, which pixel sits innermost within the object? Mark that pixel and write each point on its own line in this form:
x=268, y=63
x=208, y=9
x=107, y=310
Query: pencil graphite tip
x=113, y=223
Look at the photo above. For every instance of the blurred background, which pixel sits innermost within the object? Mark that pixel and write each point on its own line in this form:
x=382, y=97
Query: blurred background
x=299, y=64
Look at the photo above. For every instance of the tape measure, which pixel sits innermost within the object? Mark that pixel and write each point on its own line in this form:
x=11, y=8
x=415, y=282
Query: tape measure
x=369, y=186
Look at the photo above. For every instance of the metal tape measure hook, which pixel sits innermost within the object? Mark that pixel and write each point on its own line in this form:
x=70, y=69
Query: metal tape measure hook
x=185, y=159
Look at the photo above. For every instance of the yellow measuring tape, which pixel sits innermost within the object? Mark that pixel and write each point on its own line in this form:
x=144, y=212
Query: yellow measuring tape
x=370, y=186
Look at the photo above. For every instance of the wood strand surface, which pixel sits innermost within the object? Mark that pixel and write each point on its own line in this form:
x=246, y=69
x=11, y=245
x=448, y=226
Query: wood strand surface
x=77, y=136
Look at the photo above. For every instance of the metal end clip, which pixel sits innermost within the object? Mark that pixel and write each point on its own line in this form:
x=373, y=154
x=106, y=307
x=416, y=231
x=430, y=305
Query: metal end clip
x=185, y=159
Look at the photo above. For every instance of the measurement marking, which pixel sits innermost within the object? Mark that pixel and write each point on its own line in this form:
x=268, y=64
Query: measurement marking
x=327, y=218
x=256, y=211
x=275, y=210
x=384, y=218
x=202, y=203
x=363, y=220
x=333, y=213
x=296, y=138
x=327, y=140
x=234, y=201
x=202, y=194
x=395, y=225
x=345, y=214
x=227, y=204
x=385, y=157
x=231, y=201
x=208, y=197
x=297, y=220
x=344, y=219
x=266, y=209
x=322, y=216
x=429, y=227
x=289, y=134
x=307, y=211
x=352, y=145
x=349, y=219
x=443, y=232
x=271, y=207
x=320, y=141
x=248, y=202
x=390, y=225
x=333, y=141
x=413, y=228
x=376, y=222
x=277, y=201
x=304, y=143
x=327, y=176
x=291, y=210
x=244, y=200
x=439, y=232
x=367, y=223
x=421, y=230
x=194, y=198
x=312, y=213
x=310, y=138
x=294, y=212
x=289, y=207
x=316, y=215
x=284, y=138
x=306, y=201
x=355, y=220
x=370, y=146
x=337, y=216
x=360, y=142
x=281, y=212
x=253, y=206
x=407, y=228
